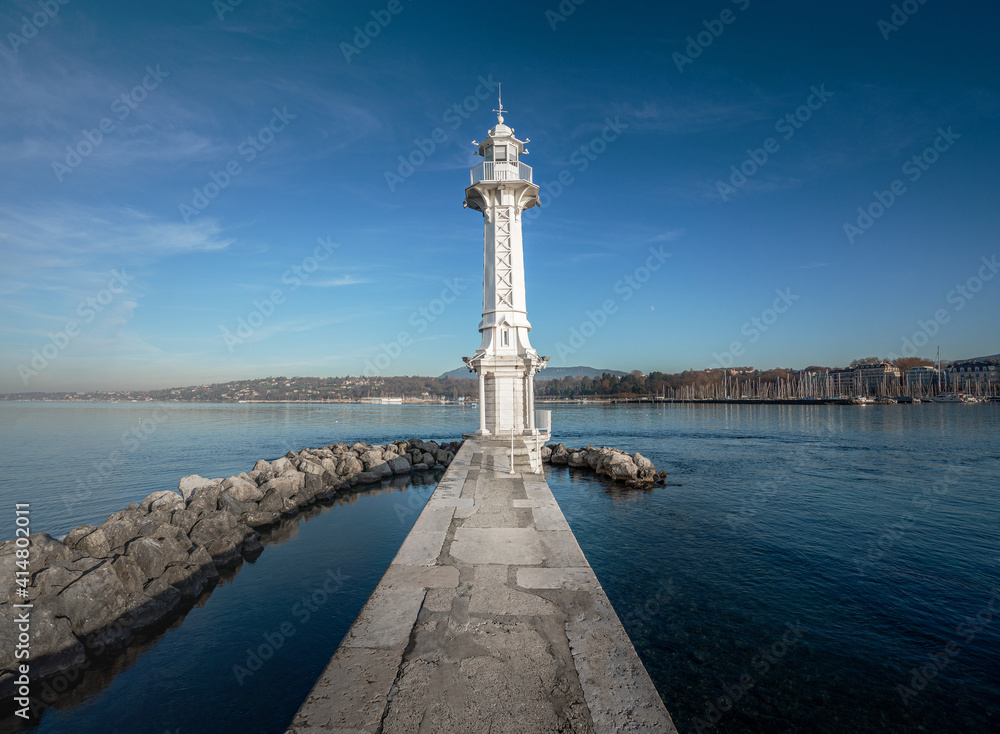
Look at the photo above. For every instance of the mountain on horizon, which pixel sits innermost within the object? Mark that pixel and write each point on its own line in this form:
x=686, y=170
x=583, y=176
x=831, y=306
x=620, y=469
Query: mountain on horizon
x=550, y=373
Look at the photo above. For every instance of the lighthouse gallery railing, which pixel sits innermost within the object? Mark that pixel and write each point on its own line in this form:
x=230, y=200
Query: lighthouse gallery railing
x=500, y=171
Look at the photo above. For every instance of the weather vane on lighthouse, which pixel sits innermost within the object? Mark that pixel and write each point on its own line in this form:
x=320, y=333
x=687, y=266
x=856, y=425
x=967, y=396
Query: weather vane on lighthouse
x=500, y=100
x=501, y=188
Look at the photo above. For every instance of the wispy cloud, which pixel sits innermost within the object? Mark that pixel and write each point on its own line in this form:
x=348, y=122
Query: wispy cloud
x=335, y=282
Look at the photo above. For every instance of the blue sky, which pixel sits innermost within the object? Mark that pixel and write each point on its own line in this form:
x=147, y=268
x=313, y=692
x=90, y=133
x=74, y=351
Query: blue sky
x=171, y=172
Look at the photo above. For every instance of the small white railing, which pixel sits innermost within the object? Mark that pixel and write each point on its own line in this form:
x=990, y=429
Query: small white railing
x=500, y=171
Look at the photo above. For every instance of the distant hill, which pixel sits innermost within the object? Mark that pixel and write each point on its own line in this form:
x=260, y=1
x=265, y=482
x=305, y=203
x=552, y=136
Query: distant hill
x=991, y=358
x=550, y=373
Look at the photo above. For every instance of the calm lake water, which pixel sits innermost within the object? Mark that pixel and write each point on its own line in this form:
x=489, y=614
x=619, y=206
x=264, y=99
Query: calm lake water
x=813, y=560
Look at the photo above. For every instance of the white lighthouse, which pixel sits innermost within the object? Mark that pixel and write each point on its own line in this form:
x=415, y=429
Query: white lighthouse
x=501, y=188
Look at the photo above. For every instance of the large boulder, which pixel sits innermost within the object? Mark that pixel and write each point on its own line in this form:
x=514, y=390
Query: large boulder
x=281, y=464
x=78, y=533
x=399, y=465
x=242, y=490
x=149, y=607
x=54, y=647
x=166, y=500
x=371, y=458
x=184, y=519
x=117, y=530
x=53, y=580
x=133, y=578
x=260, y=519
x=311, y=467
x=381, y=469
x=559, y=455
x=153, y=556
x=93, y=601
x=350, y=466
x=191, y=576
x=284, y=486
x=646, y=468
x=621, y=468
x=263, y=472
x=222, y=535
x=189, y=484
x=96, y=543
x=577, y=459
x=205, y=499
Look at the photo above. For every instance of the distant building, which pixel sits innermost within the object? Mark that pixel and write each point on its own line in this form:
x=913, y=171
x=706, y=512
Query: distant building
x=923, y=375
x=873, y=376
x=965, y=372
x=842, y=381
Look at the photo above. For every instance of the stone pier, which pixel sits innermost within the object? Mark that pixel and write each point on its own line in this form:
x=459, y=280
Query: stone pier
x=489, y=619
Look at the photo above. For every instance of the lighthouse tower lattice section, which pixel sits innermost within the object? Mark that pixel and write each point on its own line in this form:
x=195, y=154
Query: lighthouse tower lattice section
x=501, y=188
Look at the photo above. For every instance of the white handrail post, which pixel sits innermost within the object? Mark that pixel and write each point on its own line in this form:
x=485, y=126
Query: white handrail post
x=512, y=449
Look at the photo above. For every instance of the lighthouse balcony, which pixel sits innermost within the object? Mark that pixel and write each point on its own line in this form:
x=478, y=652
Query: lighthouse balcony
x=500, y=171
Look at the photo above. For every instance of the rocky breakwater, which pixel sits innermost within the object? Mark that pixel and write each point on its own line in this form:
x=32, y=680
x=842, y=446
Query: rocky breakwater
x=100, y=586
x=632, y=470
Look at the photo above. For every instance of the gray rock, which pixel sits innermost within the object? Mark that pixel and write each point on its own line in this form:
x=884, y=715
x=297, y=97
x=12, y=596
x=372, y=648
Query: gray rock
x=284, y=486
x=164, y=500
x=577, y=459
x=54, y=647
x=310, y=467
x=381, y=469
x=428, y=458
x=45, y=549
x=132, y=577
x=620, y=467
x=149, y=555
x=367, y=477
x=559, y=455
x=93, y=601
x=232, y=506
x=50, y=582
x=96, y=543
x=314, y=484
x=189, y=484
x=222, y=535
x=205, y=499
x=77, y=533
x=152, y=606
x=280, y=465
x=371, y=458
x=242, y=490
x=646, y=468
x=186, y=579
x=184, y=519
x=399, y=465
x=349, y=467
x=260, y=519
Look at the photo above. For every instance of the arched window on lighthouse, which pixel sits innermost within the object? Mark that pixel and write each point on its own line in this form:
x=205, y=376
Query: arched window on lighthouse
x=504, y=338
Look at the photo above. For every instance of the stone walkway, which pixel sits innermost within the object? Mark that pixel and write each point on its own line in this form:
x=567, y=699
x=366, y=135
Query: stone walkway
x=489, y=619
